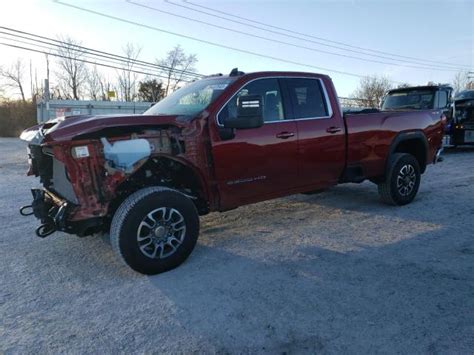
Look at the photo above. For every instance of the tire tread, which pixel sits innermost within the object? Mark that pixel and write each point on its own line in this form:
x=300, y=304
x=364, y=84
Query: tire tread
x=124, y=209
x=385, y=190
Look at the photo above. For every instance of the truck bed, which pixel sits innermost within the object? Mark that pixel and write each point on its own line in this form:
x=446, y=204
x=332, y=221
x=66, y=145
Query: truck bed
x=370, y=136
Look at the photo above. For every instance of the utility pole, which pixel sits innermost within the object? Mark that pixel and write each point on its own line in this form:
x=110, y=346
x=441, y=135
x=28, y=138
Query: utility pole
x=46, y=92
x=31, y=82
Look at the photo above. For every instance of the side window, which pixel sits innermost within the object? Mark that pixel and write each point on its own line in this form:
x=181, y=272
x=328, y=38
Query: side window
x=269, y=90
x=307, y=98
x=442, y=99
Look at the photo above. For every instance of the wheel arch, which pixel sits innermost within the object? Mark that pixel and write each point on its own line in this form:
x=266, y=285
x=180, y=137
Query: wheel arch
x=170, y=172
x=414, y=143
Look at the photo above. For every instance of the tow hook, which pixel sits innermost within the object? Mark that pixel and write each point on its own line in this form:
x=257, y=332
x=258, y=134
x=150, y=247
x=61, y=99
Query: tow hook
x=50, y=215
x=24, y=210
x=45, y=229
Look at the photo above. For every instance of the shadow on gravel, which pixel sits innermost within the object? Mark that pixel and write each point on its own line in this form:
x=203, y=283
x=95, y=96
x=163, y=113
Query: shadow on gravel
x=319, y=299
x=365, y=199
x=459, y=150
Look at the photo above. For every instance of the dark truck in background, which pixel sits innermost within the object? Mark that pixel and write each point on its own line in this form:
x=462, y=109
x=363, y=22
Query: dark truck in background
x=214, y=145
x=428, y=97
x=431, y=97
x=460, y=128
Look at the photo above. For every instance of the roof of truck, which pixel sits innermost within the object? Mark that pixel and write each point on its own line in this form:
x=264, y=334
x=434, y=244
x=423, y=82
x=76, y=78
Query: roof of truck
x=236, y=73
x=465, y=95
x=421, y=87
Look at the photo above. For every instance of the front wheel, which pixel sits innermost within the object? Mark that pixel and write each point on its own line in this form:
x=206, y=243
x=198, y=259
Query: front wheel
x=154, y=230
x=401, y=181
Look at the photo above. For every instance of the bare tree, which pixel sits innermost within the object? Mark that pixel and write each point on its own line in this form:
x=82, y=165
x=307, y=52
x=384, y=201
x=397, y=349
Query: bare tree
x=176, y=63
x=371, y=89
x=56, y=93
x=37, y=89
x=2, y=95
x=72, y=70
x=127, y=79
x=461, y=81
x=93, y=81
x=106, y=86
x=14, y=77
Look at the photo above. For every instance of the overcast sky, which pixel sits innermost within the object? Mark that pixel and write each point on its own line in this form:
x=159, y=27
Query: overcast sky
x=429, y=30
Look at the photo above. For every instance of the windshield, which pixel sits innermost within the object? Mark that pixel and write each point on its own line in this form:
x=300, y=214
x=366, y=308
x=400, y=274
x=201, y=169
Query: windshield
x=192, y=98
x=467, y=94
x=464, y=111
x=410, y=100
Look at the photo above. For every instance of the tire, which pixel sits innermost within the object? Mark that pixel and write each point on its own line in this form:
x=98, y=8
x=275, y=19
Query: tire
x=154, y=230
x=402, y=180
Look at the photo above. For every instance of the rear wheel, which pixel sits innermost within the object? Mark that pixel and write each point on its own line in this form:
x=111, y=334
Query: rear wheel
x=154, y=230
x=402, y=180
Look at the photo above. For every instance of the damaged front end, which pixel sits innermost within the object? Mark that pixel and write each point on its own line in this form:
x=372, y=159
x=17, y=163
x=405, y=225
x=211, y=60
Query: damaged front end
x=53, y=211
x=88, y=166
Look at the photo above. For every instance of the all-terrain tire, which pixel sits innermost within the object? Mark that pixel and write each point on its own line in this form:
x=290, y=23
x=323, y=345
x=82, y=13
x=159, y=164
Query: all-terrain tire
x=131, y=219
x=402, y=180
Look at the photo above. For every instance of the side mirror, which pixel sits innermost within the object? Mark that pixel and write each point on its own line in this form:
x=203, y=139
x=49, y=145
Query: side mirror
x=249, y=113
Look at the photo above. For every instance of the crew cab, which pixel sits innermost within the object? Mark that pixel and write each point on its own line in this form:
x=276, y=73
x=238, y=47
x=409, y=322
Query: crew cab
x=214, y=145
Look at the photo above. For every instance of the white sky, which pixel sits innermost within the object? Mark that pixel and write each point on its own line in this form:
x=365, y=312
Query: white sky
x=434, y=30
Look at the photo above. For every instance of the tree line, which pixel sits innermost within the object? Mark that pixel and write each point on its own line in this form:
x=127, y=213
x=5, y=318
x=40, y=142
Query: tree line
x=72, y=77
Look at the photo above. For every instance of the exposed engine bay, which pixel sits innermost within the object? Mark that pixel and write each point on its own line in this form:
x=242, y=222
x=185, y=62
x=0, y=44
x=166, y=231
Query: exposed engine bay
x=86, y=178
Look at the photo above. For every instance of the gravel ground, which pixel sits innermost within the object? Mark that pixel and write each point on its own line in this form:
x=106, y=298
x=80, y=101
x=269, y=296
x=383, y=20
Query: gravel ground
x=328, y=273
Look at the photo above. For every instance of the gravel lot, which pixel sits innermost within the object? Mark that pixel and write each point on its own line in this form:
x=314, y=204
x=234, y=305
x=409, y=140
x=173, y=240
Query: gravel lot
x=333, y=272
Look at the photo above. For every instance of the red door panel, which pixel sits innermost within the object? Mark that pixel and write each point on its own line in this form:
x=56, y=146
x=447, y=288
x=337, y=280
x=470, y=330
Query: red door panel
x=321, y=151
x=321, y=132
x=256, y=163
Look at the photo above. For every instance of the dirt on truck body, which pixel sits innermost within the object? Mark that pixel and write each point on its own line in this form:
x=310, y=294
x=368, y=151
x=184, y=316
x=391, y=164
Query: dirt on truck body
x=214, y=145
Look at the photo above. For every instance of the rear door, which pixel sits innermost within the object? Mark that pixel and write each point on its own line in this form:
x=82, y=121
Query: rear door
x=321, y=132
x=257, y=163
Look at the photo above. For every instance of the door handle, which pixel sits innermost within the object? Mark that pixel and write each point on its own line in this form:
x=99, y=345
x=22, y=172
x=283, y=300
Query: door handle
x=285, y=135
x=333, y=130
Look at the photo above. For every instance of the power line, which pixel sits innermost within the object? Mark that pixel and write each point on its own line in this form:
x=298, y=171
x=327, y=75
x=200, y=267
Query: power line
x=297, y=37
x=283, y=42
x=40, y=39
x=209, y=42
x=55, y=47
x=79, y=60
x=315, y=37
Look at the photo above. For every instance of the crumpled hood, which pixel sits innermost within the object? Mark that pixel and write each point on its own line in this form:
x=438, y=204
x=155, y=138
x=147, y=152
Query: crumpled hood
x=67, y=128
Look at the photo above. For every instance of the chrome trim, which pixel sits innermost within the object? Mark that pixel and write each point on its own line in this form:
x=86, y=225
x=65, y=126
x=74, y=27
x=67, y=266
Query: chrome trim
x=326, y=97
x=438, y=158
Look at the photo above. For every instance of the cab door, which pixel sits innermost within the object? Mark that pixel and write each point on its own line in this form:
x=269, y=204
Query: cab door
x=321, y=132
x=259, y=163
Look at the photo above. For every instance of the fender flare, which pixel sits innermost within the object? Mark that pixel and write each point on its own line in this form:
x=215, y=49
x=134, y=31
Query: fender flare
x=417, y=135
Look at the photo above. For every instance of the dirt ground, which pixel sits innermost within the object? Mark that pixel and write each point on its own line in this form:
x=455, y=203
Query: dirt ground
x=336, y=272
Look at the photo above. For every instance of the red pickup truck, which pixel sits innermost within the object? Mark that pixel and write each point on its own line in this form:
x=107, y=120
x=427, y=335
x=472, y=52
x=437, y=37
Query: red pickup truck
x=213, y=145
